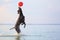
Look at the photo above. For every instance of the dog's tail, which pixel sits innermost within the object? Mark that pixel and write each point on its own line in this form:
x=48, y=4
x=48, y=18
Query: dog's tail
x=12, y=28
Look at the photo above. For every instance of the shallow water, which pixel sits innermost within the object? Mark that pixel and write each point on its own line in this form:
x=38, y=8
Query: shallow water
x=31, y=32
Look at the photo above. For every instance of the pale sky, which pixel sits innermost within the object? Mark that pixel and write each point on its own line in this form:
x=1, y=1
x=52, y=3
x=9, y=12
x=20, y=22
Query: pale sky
x=35, y=11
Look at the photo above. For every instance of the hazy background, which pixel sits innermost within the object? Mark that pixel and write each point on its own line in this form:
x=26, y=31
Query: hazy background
x=35, y=11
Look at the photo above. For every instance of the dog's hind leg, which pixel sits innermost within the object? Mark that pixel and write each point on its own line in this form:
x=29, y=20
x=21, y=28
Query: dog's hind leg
x=17, y=29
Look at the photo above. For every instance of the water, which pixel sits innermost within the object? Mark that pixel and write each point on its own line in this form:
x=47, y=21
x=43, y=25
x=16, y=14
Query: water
x=31, y=32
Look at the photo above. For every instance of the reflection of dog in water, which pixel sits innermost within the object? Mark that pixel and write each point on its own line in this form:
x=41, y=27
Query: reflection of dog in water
x=21, y=20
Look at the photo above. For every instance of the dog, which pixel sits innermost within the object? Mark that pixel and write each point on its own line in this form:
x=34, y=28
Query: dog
x=21, y=20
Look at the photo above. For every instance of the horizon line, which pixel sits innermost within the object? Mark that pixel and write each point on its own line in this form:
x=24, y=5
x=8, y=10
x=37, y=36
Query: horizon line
x=27, y=24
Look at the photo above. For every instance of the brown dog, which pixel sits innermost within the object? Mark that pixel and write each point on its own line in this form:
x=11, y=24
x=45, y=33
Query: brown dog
x=21, y=20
